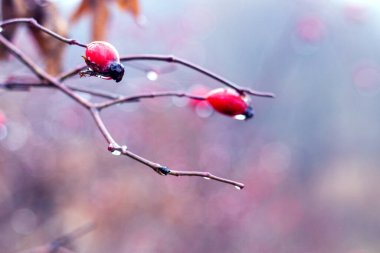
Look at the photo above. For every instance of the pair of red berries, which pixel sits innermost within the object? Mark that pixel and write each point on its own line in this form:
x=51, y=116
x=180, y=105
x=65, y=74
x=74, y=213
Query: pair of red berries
x=103, y=61
x=231, y=103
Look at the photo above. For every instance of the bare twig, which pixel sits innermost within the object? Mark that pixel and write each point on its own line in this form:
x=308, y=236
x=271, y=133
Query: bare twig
x=206, y=175
x=136, y=98
x=48, y=81
x=59, y=244
x=173, y=59
x=40, y=73
x=73, y=72
x=25, y=85
x=116, y=149
x=103, y=129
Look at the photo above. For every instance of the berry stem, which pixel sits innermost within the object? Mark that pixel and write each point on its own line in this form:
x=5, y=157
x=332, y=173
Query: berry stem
x=136, y=98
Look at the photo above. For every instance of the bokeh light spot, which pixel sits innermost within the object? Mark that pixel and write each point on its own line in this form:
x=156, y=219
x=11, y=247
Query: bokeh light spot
x=366, y=79
x=355, y=12
x=310, y=29
x=3, y=132
x=152, y=75
x=203, y=109
x=24, y=221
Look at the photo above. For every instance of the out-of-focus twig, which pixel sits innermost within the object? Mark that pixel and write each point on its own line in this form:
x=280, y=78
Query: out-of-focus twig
x=59, y=244
x=66, y=239
x=136, y=98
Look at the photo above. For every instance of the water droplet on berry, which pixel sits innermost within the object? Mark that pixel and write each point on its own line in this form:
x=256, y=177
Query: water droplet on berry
x=207, y=178
x=116, y=152
x=240, y=117
x=238, y=187
x=104, y=77
x=152, y=75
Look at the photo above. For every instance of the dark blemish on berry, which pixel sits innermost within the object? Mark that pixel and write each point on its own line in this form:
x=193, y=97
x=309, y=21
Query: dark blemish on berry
x=249, y=113
x=116, y=71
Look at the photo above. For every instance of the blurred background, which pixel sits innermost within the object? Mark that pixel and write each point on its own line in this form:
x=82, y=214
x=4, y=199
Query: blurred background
x=309, y=159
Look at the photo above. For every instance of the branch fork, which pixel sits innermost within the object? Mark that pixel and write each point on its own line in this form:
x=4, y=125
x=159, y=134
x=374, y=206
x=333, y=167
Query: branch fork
x=47, y=81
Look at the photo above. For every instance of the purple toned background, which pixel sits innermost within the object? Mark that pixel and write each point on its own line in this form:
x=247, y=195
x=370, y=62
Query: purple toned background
x=309, y=159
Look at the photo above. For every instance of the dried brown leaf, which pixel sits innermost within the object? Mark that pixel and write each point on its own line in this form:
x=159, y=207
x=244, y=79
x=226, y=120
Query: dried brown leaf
x=132, y=6
x=45, y=13
x=99, y=10
x=84, y=7
x=9, y=9
x=51, y=49
x=100, y=20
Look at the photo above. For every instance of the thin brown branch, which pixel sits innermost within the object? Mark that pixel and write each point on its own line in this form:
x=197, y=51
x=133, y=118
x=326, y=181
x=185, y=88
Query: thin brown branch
x=71, y=73
x=116, y=149
x=206, y=175
x=40, y=73
x=34, y=23
x=136, y=98
x=26, y=85
x=102, y=128
x=94, y=109
x=164, y=171
x=19, y=85
x=173, y=59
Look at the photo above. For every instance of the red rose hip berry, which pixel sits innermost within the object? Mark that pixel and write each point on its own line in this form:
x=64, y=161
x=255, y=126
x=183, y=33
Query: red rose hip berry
x=103, y=60
x=229, y=102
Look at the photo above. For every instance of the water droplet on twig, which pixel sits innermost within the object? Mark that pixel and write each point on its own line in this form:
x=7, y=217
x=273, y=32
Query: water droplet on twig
x=207, y=178
x=152, y=75
x=116, y=152
x=238, y=187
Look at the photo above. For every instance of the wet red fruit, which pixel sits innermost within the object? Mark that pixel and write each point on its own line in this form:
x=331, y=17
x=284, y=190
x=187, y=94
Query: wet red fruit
x=230, y=102
x=103, y=59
